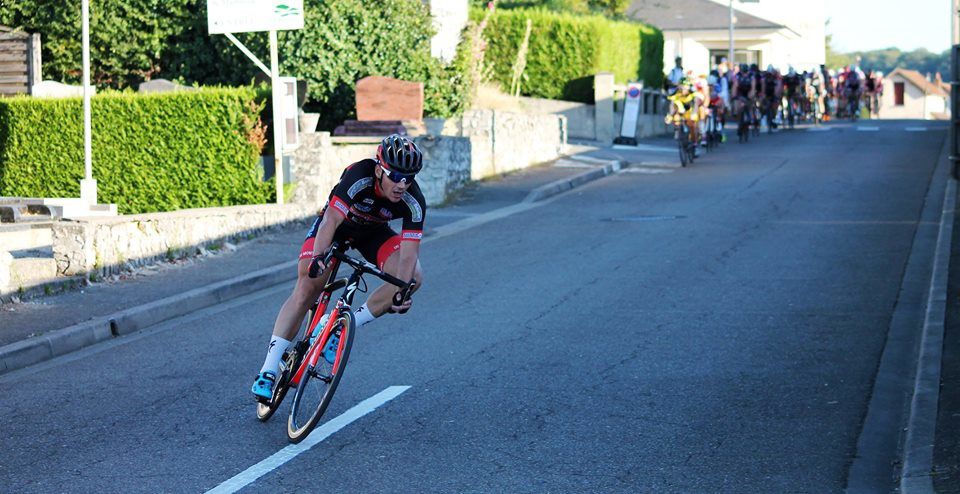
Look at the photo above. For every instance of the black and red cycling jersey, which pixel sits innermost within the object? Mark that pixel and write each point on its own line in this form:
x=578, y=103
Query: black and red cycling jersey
x=358, y=198
x=791, y=83
x=744, y=84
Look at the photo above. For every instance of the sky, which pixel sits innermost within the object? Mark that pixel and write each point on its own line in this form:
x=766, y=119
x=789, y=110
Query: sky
x=862, y=25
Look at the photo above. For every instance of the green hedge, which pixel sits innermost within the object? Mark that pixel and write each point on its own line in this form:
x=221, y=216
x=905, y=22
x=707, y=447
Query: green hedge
x=565, y=48
x=150, y=152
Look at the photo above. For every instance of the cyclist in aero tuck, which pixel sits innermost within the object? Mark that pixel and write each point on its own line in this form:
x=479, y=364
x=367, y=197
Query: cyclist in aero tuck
x=370, y=193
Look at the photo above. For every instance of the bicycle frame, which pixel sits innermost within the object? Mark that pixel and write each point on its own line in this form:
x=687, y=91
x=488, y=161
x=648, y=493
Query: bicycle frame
x=343, y=303
x=313, y=354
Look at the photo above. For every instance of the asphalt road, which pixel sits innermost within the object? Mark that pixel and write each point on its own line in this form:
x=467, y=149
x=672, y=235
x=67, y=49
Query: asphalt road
x=714, y=329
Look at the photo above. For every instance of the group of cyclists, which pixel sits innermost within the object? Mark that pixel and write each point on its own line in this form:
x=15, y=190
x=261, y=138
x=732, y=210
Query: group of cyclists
x=751, y=98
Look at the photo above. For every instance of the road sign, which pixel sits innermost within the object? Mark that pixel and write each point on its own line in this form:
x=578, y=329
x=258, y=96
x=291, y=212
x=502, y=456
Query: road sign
x=631, y=113
x=244, y=16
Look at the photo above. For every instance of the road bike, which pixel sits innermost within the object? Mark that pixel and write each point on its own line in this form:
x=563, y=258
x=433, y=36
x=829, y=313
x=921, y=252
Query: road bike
x=743, y=122
x=713, y=133
x=304, y=367
x=853, y=101
x=681, y=132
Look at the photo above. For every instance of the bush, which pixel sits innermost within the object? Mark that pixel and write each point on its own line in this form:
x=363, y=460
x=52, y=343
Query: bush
x=345, y=41
x=151, y=153
x=566, y=47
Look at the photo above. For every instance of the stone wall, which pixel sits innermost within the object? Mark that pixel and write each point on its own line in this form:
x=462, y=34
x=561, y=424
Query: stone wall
x=480, y=144
x=106, y=245
x=507, y=141
x=584, y=121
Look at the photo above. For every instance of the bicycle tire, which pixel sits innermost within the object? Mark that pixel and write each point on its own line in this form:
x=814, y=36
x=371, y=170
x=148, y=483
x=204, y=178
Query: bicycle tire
x=298, y=426
x=292, y=361
x=682, y=145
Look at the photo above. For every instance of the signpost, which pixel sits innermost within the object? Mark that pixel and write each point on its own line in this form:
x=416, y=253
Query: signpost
x=243, y=16
x=88, y=186
x=730, y=59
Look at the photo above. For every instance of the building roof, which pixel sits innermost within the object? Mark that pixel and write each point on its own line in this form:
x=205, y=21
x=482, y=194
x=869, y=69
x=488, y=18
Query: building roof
x=917, y=79
x=690, y=15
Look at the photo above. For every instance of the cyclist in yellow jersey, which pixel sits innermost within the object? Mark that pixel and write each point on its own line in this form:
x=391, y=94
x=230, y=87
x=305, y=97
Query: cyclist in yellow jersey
x=686, y=104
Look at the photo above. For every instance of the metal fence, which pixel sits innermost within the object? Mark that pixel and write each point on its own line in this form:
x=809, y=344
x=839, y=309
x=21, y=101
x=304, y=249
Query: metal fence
x=652, y=101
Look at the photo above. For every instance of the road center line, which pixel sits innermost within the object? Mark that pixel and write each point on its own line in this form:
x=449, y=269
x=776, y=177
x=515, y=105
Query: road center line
x=248, y=476
x=868, y=129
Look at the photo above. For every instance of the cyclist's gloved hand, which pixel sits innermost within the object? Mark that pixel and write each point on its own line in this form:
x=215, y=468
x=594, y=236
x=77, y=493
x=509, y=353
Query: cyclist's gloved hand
x=316, y=266
x=401, y=300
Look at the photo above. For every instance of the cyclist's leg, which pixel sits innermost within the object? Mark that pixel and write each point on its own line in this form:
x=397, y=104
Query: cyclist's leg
x=291, y=313
x=304, y=294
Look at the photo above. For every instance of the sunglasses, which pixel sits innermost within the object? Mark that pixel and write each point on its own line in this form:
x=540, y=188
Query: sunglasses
x=398, y=177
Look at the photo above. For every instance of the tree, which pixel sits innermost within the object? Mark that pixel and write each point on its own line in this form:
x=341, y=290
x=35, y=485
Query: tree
x=610, y=8
x=835, y=59
x=127, y=37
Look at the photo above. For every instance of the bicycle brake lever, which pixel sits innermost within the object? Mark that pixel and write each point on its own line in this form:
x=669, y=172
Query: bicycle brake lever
x=404, y=295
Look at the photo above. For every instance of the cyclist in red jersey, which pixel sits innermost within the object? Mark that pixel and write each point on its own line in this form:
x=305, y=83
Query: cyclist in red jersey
x=370, y=193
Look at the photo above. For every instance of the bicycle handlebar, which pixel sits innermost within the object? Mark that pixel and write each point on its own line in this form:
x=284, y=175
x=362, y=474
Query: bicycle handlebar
x=361, y=265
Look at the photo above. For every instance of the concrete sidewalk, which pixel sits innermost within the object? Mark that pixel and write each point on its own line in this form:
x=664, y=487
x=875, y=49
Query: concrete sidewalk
x=46, y=327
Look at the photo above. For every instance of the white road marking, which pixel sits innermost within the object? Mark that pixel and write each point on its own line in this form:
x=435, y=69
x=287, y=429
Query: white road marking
x=819, y=129
x=867, y=129
x=915, y=129
x=646, y=170
x=269, y=464
x=658, y=149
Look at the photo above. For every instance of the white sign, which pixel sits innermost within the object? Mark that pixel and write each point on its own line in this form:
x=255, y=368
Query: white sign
x=289, y=110
x=631, y=110
x=244, y=16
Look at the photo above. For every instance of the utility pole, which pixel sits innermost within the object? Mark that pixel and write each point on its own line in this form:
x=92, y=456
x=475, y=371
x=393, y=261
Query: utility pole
x=730, y=51
x=955, y=86
x=88, y=186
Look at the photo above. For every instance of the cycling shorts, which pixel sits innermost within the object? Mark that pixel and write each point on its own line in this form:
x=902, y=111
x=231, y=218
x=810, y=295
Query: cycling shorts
x=375, y=244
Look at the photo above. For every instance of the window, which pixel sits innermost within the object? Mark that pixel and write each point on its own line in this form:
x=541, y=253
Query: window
x=898, y=89
x=739, y=56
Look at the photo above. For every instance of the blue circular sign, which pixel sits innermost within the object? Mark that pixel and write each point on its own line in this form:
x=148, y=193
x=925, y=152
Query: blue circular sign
x=633, y=92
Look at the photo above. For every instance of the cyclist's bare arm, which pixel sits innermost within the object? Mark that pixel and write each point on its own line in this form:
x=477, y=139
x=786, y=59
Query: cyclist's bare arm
x=332, y=219
x=409, y=254
x=404, y=267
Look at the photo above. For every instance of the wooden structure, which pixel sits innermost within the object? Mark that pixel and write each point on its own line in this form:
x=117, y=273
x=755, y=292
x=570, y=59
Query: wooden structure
x=19, y=61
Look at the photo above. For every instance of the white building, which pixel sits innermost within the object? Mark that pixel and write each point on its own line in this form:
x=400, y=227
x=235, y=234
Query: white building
x=908, y=94
x=771, y=32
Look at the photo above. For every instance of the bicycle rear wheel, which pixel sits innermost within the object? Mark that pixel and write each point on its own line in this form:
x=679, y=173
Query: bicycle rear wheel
x=318, y=384
x=682, y=139
x=288, y=365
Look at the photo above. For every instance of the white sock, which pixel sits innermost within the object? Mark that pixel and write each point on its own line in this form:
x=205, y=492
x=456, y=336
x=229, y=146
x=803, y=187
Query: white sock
x=364, y=315
x=275, y=351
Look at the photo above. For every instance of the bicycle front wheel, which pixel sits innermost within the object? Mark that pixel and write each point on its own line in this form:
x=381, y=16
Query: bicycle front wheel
x=319, y=383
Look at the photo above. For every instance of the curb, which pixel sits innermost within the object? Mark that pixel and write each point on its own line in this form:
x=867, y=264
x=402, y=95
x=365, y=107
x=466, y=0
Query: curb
x=59, y=342
x=916, y=472
x=565, y=184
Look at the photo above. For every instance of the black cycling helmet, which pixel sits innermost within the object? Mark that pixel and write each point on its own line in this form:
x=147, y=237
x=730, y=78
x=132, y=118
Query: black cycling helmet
x=399, y=154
